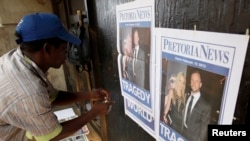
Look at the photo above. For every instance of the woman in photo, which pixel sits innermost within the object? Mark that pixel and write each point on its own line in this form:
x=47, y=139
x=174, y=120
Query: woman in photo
x=175, y=102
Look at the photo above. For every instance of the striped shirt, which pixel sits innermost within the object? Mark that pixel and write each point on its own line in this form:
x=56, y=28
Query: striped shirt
x=25, y=104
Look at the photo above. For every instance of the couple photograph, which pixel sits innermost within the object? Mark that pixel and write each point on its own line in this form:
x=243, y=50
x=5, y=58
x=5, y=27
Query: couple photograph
x=190, y=99
x=135, y=49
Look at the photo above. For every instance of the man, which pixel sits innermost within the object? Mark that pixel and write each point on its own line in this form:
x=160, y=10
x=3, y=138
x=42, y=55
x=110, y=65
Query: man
x=197, y=117
x=27, y=96
x=138, y=62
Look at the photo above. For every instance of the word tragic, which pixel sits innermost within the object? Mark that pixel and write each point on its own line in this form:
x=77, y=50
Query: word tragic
x=169, y=134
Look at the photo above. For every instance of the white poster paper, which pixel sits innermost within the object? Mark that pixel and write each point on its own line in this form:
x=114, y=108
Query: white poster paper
x=206, y=65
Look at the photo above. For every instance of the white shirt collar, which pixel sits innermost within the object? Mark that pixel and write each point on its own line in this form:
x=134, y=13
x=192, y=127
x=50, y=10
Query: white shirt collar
x=196, y=95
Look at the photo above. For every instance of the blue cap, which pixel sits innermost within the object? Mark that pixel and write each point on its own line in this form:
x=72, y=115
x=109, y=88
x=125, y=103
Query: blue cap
x=42, y=26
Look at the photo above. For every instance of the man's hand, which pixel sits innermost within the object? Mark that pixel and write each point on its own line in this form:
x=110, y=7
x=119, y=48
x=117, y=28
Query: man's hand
x=100, y=95
x=103, y=103
x=102, y=108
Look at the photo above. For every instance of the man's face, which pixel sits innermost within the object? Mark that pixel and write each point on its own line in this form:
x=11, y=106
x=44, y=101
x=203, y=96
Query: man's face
x=58, y=55
x=195, y=82
x=136, y=38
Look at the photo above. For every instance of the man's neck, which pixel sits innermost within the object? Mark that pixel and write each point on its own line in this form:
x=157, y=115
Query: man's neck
x=36, y=58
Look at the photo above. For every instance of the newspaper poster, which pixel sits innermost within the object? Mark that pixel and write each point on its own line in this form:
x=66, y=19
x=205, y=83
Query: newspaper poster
x=135, y=25
x=135, y=22
x=198, y=77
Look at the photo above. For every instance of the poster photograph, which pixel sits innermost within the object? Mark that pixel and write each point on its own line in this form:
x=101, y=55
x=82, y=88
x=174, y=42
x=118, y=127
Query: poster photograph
x=178, y=80
x=198, y=81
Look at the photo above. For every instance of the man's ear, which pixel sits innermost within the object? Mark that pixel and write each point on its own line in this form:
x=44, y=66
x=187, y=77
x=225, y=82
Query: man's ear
x=46, y=48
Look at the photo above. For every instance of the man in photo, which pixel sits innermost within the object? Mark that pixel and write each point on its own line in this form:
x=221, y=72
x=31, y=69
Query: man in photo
x=138, y=62
x=197, y=111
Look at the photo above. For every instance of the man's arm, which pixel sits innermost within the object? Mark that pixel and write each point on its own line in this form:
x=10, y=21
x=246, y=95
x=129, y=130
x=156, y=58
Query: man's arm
x=205, y=120
x=64, y=97
x=72, y=126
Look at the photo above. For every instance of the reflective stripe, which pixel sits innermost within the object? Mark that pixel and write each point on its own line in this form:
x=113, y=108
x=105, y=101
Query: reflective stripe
x=53, y=97
x=47, y=137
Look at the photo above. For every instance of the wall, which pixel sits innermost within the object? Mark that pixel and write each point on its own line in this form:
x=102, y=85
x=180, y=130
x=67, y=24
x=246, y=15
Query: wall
x=10, y=14
x=11, y=11
x=230, y=16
